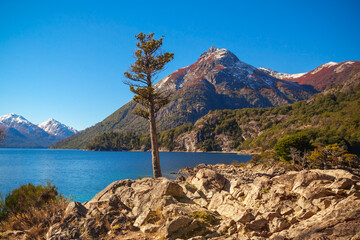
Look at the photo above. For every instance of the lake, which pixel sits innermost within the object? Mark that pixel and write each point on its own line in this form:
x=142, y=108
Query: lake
x=82, y=174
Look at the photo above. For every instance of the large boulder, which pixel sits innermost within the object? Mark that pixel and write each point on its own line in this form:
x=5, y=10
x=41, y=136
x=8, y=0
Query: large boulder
x=340, y=221
x=208, y=180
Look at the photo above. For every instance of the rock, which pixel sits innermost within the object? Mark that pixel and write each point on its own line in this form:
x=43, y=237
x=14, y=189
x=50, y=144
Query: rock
x=342, y=183
x=180, y=178
x=174, y=210
x=304, y=214
x=316, y=192
x=278, y=224
x=149, y=228
x=201, y=202
x=54, y=232
x=225, y=225
x=338, y=174
x=245, y=217
x=76, y=208
x=323, y=203
x=285, y=209
x=257, y=225
x=176, y=226
x=251, y=202
x=116, y=203
x=271, y=215
x=226, y=205
x=339, y=221
x=169, y=188
x=120, y=220
x=143, y=217
x=305, y=177
x=207, y=179
x=13, y=234
x=231, y=230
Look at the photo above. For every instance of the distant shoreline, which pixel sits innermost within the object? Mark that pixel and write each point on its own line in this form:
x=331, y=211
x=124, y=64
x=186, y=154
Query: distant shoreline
x=242, y=152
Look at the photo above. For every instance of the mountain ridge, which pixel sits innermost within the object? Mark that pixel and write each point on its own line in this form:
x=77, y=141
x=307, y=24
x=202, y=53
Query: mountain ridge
x=19, y=132
x=324, y=76
x=217, y=80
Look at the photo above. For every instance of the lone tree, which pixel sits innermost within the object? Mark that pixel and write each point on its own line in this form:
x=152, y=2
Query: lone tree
x=141, y=76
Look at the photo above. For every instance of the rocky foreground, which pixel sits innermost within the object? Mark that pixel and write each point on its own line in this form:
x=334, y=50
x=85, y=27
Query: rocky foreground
x=220, y=202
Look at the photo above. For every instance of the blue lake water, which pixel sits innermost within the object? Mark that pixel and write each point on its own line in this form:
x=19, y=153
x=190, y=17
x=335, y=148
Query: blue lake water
x=82, y=174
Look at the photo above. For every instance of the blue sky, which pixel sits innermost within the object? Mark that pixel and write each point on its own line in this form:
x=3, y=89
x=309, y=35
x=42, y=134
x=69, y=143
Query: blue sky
x=66, y=59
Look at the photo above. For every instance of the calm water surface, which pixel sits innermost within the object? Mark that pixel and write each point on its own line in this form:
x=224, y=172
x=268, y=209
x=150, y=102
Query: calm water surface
x=82, y=174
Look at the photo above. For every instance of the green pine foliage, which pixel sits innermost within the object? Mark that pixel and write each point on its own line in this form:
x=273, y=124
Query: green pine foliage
x=300, y=142
x=117, y=141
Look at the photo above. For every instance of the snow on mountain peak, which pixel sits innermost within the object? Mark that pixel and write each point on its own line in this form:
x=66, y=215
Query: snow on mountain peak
x=50, y=126
x=225, y=58
x=330, y=64
x=220, y=53
x=208, y=53
x=326, y=65
x=12, y=118
x=278, y=75
x=56, y=128
x=217, y=54
x=210, y=64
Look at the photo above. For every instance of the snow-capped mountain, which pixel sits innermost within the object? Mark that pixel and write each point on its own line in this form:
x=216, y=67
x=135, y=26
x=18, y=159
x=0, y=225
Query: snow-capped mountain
x=217, y=80
x=56, y=128
x=245, y=85
x=19, y=132
x=18, y=122
x=222, y=69
x=322, y=77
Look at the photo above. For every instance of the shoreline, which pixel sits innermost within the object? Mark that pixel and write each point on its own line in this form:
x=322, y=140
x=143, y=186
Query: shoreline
x=242, y=152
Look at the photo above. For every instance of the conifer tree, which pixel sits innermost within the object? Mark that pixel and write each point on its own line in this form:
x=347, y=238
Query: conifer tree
x=141, y=76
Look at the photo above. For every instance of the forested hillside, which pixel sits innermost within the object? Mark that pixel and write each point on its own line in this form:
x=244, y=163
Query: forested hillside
x=329, y=117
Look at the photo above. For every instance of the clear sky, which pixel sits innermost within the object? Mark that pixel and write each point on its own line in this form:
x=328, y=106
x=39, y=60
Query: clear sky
x=66, y=59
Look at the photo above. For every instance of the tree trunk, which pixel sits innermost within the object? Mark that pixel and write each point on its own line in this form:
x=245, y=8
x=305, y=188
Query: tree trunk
x=154, y=143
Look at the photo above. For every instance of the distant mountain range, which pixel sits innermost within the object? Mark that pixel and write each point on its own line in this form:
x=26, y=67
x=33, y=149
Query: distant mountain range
x=218, y=80
x=22, y=133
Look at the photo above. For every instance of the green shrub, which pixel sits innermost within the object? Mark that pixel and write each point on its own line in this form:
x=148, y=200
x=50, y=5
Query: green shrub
x=28, y=197
x=300, y=141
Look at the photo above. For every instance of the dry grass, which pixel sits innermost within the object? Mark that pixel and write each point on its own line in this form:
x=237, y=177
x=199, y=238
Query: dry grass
x=36, y=221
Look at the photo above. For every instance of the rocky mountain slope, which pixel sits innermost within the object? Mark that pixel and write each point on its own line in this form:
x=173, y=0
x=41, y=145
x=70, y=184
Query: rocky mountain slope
x=217, y=80
x=329, y=117
x=322, y=77
x=219, y=202
x=21, y=133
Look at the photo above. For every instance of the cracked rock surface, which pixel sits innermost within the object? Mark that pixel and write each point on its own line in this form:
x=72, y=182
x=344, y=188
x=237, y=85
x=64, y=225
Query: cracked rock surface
x=221, y=202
